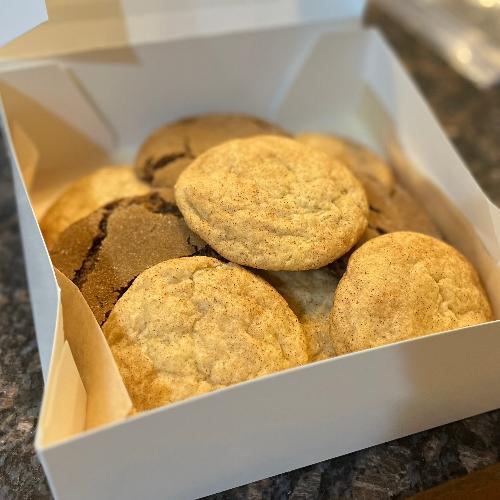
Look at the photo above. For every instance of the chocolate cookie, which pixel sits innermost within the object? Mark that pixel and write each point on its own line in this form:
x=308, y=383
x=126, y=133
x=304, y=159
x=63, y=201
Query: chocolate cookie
x=86, y=195
x=171, y=148
x=395, y=210
x=404, y=285
x=272, y=203
x=103, y=252
x=193, y=325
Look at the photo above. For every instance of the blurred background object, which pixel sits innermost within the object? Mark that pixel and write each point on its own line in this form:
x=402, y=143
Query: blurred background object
x=466, y=33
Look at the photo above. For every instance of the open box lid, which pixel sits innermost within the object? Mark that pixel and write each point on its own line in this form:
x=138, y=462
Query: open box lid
x=79, y=25
x=19, y=16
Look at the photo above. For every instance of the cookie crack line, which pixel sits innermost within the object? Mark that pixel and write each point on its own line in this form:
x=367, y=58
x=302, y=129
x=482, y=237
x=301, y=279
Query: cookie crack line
x=147, y=174
x=378, y=229
x=119, y=291
x=187, y=147
x=161, y=206
x=89, y=262
x=446, y=303
x=156, y=204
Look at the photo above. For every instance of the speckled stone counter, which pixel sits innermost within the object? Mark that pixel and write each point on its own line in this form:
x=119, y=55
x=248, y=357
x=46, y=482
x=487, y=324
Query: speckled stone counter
x=392, y=470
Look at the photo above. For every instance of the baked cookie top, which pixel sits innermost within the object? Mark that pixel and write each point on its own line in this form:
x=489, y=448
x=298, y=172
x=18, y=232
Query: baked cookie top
x=272, y=203
x=171, y=148
x=395, y=210
x=86, y=195
x=404, y=285
x=103, y=252
x=192, y=325
x=310, y=296
x=363, y=163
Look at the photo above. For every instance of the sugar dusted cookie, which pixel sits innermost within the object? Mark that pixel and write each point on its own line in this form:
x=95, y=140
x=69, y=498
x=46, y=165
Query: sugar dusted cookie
x=171, y=148
x=86, y=195
x=103, y=252
x=310, y=296
x=392, y=208
x=404, y=285
x=272, y=203
x=364, y=164
x=189, y=326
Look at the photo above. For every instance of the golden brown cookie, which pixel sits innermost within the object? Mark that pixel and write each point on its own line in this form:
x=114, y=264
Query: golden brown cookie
x=170, y=149
x=272, y=203
x=391, y=207
x=86, y=195
x=189, y=326
x=310, y=296
x=404, y=285
x=395, y=210
x=103, y=252
x=363, y=163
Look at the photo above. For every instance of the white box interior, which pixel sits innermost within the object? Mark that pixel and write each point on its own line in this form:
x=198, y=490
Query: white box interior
x=85, y=110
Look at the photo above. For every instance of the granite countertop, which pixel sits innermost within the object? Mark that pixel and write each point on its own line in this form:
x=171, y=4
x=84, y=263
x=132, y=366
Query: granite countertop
x=393, y=470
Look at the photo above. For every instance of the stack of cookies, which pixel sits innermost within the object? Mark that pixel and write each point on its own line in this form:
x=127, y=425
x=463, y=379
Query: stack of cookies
x=232, y=250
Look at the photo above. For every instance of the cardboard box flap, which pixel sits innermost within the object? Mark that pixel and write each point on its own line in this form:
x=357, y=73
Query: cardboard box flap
x=44, y=293
x=84, y=388
x=79, y=25
x=107, y=398
x=19, y=16
x=65, y=404
x=27, y=153
x=433, y=158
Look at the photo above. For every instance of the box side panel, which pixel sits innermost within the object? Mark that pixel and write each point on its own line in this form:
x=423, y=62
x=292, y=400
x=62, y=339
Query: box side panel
x=328, y=86
x=141, y=89
x=375, y=127
x=19, y=17
x=285, y=421
x=80, y=25
x=52, y=87
x=425, y=143
x=60, y=120
x=42, y=284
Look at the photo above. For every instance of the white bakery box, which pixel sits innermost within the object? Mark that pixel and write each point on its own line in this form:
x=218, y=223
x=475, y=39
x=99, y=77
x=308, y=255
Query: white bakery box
x=128, y=67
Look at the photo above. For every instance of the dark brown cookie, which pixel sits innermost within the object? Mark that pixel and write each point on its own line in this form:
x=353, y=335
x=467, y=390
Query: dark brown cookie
x=395, y=210
x=104, y=252
x=171, y=148
x=390, y=211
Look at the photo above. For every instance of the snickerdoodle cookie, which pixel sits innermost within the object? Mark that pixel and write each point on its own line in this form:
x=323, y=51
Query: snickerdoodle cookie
x=103, y=252
x=171, y=148
x=392, y=208
x=192, y=325
x=404, y=285
x=309, y=295
x=363, y=163
x=86, y=195
x=273, y=203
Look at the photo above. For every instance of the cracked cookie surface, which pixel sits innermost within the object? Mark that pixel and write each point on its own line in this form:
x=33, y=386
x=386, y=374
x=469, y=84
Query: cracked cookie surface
x=192, y=325
x=171, y=148
x=363, y=163
x=103, y=252
x=272, y=203
x=310, y=296
x=392, y=208
x=86, y=195
x=395, y=210
x=404, y=285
